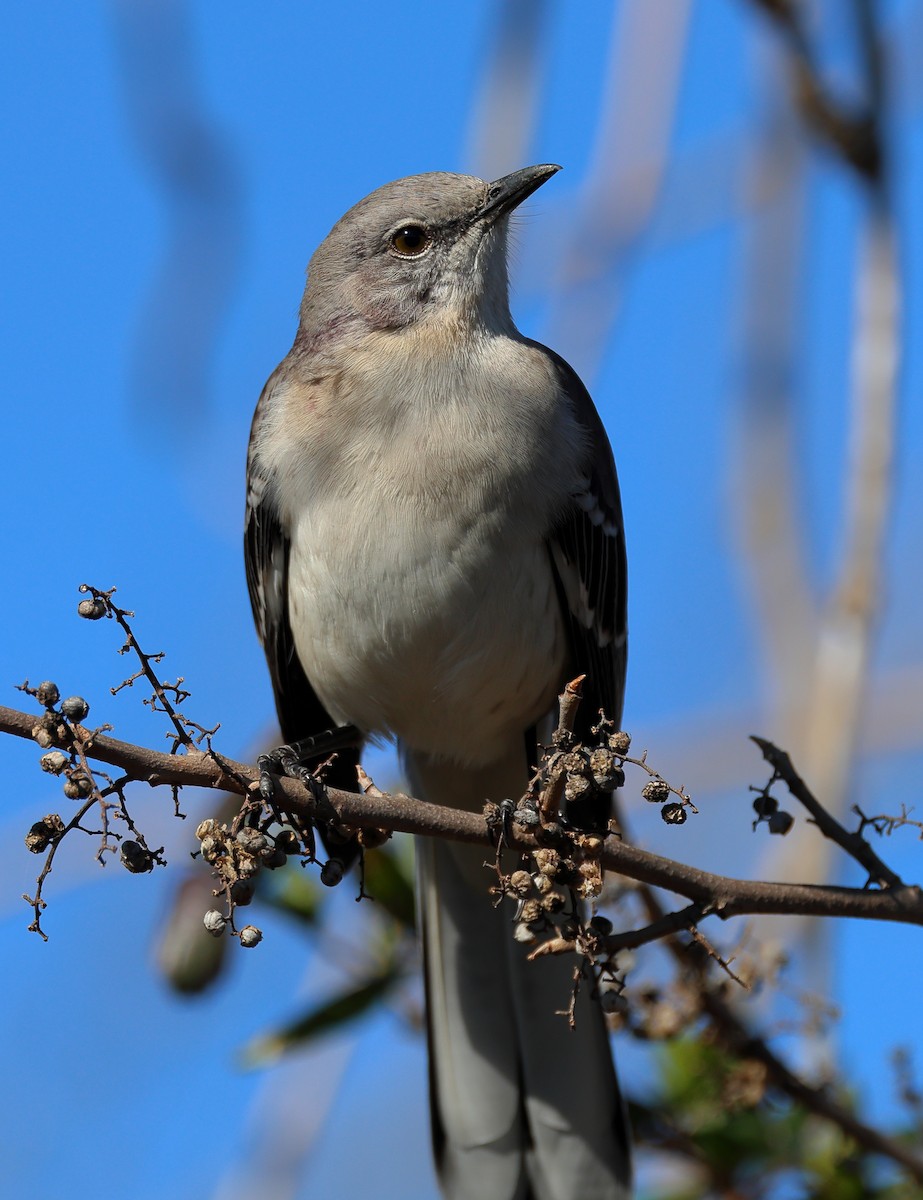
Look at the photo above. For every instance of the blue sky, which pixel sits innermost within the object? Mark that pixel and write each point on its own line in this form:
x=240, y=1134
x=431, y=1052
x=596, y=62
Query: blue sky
x=140, y=324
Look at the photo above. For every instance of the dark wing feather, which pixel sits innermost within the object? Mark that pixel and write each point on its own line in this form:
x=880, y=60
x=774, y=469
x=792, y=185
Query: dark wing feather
x=266, y=555
x=587, y=548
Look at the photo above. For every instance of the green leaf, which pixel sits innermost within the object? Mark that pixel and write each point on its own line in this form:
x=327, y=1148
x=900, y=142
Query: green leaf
x=330, y=1015
x=293, y=892
x=389, y=881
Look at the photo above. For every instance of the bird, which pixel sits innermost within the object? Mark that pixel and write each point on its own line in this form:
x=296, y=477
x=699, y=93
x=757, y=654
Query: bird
x=434, y=544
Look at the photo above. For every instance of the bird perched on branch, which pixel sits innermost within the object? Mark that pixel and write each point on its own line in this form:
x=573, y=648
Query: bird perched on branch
x=434, y=544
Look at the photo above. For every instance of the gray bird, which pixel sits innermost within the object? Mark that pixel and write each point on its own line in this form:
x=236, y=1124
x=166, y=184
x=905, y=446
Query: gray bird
x=433, y=545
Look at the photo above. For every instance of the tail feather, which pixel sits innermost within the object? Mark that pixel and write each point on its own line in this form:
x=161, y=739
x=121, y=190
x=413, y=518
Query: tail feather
x=524, y=1108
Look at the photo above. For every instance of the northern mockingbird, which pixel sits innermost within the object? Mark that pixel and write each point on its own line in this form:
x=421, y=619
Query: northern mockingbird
x=434, y=544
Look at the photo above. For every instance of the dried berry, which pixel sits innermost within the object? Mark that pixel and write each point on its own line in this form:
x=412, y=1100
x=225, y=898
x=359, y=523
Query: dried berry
x=274, y=858
x=243, y=891
x=656, y=790
x=526, y=815
x=764, y=806
x=331, y=872
x=781, y=822
x=246, y=865
x=289, y=841
x=75, y=708
x=620, y=743
x=136, y=858
x=371, y=838
x=520, y=883
x=44, y=832
x=215, y=922
x=53, y=762
x=212, y=848
x=673, y=814
x=547, y=861
x=91, y=609
x=577, y=788
x=251, y=840
x=47, y=693
x=250, y=936
x=612, y=1002
x=606, y=774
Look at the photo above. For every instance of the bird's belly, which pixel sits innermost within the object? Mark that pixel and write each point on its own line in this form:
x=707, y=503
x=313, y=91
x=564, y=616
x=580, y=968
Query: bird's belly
x=450, y=642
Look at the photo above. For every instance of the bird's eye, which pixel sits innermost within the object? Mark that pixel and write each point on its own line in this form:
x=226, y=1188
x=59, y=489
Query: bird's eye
x=410, y=241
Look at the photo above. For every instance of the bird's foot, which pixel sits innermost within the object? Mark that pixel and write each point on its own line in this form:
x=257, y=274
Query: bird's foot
x=291, y=759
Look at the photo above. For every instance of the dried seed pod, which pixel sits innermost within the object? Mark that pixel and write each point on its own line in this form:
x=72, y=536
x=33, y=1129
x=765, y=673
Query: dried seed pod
x=43, y=833
x=78, y=784
x=47, y=693
x=612, y=1002
x=542, y=883
x=215, y=922
x=247, y=866
x=673, y=814
x=765, y=806
x=251, y=840
x=243, y=891
x=338, y=835
x=250, y=936
x=607, y=775
x=207, y=828
x=531, y=912
x=619, y=743
x=520, y=883
x=575, y=763
x=212, y=848
x=135, y=858
x=656, y=790
x=331, y=872
x=781, y=822
x=75, y=708
x=53, y=762
x=91, y=609
x=526, y=815
x=577, y=788
x=371, y=838
x=289, y=841
x=554, y=902
x=547, y=861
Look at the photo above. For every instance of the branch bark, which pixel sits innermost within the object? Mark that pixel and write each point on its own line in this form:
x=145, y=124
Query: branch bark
x=718, y=895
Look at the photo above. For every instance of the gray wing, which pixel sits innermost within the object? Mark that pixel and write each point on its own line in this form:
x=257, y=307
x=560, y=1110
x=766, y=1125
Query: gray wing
x=267, y=548
x=587, y=548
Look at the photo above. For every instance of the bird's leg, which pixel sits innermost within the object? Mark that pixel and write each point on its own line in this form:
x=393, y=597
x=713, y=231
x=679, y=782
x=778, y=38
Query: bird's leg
x=290, y=760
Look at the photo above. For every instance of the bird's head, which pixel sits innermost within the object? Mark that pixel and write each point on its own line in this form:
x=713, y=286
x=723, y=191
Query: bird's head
x=426, y=246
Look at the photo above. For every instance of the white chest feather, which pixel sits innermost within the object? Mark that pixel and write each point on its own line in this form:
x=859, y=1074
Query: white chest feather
x=421, y=596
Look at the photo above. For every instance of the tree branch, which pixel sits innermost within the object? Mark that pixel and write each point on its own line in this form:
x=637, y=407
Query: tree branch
x=719, y=895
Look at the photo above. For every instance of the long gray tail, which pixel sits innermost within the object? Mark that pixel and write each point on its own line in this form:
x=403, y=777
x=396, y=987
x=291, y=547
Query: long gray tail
x=522, y=1106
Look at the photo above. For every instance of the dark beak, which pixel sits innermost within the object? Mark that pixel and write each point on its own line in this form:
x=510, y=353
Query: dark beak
x=503, y=195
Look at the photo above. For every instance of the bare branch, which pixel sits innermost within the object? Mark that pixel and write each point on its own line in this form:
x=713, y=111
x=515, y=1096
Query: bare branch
x=722, y=895
x=853, y=843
